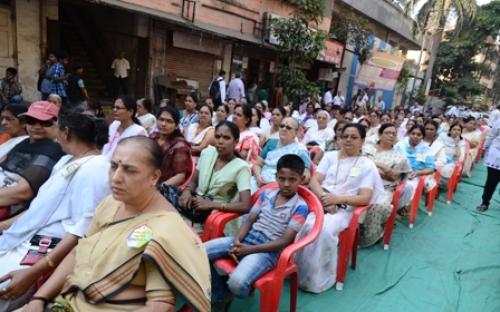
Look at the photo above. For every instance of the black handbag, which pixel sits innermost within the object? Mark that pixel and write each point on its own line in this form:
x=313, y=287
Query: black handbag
x=173, y=193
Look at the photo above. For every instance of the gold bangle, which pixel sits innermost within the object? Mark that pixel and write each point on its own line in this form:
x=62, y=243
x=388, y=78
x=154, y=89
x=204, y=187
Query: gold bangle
x=222, y=207
x=49, y=262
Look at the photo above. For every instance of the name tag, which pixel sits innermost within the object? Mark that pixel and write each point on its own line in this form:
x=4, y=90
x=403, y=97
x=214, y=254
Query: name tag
x=139, y=237
x=421, y=157
x=355, y=172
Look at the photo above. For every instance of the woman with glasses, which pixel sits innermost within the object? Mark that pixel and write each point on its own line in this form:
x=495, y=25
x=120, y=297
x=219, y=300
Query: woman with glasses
x=29, y=163
x=265, y=167
x=343, y=180
x=392, y=167
x=125, y=124
x=61, y=212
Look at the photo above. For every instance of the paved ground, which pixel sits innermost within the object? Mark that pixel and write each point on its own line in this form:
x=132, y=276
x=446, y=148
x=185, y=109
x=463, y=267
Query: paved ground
x=448, y=262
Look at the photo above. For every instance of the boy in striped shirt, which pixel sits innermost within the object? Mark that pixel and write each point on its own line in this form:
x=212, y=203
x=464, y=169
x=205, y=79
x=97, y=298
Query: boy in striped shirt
x=272, y=223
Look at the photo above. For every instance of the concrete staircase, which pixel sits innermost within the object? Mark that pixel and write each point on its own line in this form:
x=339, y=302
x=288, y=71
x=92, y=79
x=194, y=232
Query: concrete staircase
x=97, y=85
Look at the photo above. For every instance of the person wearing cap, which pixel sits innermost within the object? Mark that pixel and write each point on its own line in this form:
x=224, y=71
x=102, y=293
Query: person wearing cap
x=29, y=164
x=60, y=213
x=13, y=127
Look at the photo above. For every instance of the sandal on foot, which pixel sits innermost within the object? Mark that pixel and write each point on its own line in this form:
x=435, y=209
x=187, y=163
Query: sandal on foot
x=482, y=208
x=403, y=212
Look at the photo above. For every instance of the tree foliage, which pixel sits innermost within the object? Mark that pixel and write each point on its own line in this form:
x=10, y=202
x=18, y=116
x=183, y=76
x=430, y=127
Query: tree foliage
x=354, y=30
x=298, y=44
x=457, y=73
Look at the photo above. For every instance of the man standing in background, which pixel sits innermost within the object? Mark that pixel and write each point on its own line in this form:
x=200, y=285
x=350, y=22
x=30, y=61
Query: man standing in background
x=121, y=66
x=236, y=89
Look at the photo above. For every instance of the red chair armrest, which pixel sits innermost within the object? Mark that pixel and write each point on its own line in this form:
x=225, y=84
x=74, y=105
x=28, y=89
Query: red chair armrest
x=357, y=213
x=215, y=223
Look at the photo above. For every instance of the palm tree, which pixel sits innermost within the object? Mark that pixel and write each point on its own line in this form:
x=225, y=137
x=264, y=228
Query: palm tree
x=431, y=20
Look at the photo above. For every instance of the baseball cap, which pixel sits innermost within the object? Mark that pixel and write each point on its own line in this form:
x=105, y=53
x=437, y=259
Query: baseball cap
x=42, y=110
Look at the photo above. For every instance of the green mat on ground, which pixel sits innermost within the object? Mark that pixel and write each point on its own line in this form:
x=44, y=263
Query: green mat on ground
x=447, y=262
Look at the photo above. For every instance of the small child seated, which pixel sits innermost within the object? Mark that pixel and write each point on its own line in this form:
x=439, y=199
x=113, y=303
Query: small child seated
x=272, y=223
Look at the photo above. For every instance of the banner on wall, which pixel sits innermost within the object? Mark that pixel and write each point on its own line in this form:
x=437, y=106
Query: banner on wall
x=380, y=71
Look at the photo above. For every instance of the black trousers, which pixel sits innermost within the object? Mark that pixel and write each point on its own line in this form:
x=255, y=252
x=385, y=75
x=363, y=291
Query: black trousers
x=491, y=184
x=121, y=86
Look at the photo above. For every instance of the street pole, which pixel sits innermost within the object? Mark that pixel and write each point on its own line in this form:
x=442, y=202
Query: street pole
x=417, y=69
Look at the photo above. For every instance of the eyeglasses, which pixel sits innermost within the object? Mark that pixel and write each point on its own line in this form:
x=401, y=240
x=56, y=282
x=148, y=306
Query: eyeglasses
x=44, y=123
x=283, y=126
x=118, y=107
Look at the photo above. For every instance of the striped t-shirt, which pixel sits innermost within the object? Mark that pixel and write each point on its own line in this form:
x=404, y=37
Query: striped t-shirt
x=273, y=220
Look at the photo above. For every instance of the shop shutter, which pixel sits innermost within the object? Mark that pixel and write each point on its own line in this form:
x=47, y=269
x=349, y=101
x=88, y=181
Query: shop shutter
x=192, y=65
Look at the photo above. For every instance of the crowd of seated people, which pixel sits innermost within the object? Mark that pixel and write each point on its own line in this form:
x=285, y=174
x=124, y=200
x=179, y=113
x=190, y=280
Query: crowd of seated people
x=108, y=211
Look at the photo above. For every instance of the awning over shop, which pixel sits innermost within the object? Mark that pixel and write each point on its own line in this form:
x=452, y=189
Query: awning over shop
x=179, y=20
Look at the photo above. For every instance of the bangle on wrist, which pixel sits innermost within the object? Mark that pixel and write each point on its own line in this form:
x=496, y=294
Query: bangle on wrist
x=43, y=299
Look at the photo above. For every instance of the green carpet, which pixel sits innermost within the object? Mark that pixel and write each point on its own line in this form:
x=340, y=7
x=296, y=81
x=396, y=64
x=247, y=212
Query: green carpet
x=447, y=262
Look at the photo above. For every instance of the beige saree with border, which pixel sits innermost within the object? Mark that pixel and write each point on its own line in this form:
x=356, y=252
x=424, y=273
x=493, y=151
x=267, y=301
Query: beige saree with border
x=169, y=262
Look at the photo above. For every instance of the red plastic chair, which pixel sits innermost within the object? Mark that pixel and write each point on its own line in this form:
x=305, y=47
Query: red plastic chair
x=479, y=151
x=415, y=202
x=431, y=196
x=456, y=176
x=348, y=243
x=4, y=213
x=389, y=225
x=271, y=283
x=191, y=174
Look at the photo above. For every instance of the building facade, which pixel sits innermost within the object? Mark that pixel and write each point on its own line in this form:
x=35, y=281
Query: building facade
x=174, y=47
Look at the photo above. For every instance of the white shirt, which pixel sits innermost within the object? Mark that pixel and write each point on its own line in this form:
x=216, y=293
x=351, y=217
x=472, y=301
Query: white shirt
x=148, y=121
x=65, y=203
x=222, y=88
x=115, y=137
x=320, y=136
x=381, y=105
x=327, y=97
x=350, y=175
x=121, y=67
x=338, y=100
x=494, y=116
x=236, y=89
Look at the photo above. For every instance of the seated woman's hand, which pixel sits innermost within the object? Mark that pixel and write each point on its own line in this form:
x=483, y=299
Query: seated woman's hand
x=185, y=199
x=34, y=306
x=201, y=203
x=412, y=175
x=329, y=200
x=260, y=181
x=20, y=282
